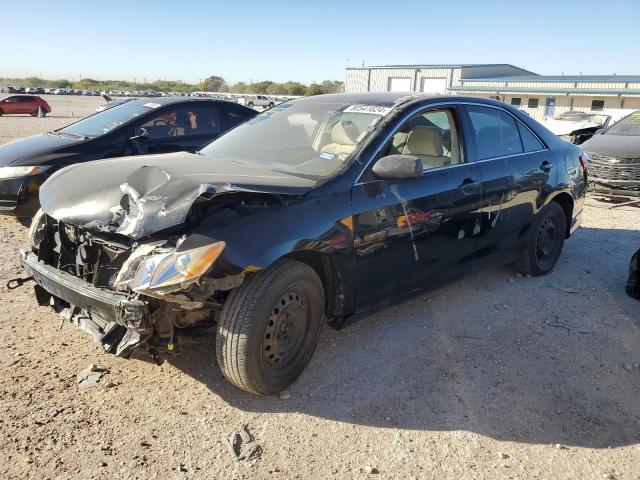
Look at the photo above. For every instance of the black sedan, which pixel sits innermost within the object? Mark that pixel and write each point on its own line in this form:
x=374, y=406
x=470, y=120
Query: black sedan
x=138, y=127
x=614, y=158
x=319, y=208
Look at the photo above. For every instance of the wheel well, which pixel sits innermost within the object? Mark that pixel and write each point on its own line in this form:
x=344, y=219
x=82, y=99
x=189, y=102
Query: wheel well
x=566, y=202
x=337, y=299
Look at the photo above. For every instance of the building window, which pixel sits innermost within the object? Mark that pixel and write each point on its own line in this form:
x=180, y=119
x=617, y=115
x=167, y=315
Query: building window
x=597, y=105
x=516, y=101
x=532, y=103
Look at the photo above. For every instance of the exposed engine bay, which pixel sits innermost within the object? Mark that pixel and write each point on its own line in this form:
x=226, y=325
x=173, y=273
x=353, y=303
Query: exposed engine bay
x=138, y=291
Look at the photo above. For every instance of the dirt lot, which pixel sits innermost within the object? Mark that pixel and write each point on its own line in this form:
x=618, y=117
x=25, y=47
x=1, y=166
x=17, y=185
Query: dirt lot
x=497, y=376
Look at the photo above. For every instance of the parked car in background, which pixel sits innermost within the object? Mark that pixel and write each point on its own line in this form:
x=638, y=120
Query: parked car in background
x=614, y=158
x=256, y=101
x=24, y=104
x=577, y=127
x=60, y=91
x=316, y=209
x=136, y=127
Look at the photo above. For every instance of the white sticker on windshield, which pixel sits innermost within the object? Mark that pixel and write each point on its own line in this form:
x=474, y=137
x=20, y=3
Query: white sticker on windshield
x=151, y=105
x=372, y=109
x=327, y=156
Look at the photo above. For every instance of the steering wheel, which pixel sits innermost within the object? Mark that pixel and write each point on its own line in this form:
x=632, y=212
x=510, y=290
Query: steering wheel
x=172, y=131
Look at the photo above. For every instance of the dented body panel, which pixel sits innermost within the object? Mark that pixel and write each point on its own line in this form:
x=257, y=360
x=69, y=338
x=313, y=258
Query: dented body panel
x=369, y=240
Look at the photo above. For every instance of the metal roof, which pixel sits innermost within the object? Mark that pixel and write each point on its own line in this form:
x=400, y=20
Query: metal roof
x=567, y=91
x=558, y=78
x=442, y=65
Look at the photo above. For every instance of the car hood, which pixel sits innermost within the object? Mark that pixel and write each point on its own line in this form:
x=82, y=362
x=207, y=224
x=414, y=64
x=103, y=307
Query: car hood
x=624, y=146
x=564, y=127
x=33, y=150
x=138, y=196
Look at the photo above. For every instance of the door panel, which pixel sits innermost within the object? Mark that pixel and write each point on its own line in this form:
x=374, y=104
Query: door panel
x=516, y=171
x=410, y=233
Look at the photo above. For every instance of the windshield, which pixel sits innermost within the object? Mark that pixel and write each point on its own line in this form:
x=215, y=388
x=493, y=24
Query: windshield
x=105, y=121
x=308, y=138
x=629, y=125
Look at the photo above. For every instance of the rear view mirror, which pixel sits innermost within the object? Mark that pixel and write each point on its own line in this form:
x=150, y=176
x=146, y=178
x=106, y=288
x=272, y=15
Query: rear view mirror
x=398, y=166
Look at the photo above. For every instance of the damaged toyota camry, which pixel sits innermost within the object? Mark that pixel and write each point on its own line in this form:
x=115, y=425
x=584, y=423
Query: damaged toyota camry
x=315, y=210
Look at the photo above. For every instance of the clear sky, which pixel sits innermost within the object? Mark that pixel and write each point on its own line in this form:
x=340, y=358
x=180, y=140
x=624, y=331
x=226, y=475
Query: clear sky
x=305, y=41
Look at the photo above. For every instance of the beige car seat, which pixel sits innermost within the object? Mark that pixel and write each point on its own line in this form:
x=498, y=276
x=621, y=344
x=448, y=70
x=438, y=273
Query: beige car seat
x=425, y=143
x=344, y=136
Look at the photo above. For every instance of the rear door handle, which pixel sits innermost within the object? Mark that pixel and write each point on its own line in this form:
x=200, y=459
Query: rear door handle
x=546, y=166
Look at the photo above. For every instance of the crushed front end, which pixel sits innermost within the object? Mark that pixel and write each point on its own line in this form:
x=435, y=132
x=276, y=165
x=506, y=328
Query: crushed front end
x=123, y=293
x=614, y=175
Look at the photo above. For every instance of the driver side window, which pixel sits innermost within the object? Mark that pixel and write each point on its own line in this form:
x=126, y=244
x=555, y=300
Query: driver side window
x=431, y=136
x=191, y=120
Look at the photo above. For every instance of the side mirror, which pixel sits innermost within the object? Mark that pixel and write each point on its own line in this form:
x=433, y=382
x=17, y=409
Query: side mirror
x=394, y=167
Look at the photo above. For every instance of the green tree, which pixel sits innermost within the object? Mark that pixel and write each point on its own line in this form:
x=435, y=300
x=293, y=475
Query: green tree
x=239, y=87
x=314, y=89
x=213, y=83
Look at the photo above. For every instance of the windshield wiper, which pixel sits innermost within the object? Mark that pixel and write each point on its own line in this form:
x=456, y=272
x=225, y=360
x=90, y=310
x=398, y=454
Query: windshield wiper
x=297, y=174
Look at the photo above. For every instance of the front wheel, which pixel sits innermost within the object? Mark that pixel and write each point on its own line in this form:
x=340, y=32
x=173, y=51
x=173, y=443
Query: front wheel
x=250, y=105
x=269, y=327
x=544, y=241
x=270, y=105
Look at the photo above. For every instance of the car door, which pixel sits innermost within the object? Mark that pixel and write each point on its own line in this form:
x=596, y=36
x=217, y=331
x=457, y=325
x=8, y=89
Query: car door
x=517, y=171
x=410, y=233
x=11, y=105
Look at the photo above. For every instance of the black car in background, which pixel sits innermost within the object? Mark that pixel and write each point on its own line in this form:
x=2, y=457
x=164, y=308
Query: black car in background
x=318, y=208
x=138, y=127
x=614, y=158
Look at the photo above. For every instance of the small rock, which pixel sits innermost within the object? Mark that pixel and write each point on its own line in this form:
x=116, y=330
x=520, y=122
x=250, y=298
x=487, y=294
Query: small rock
x=503, y=455
x=627, y=366
x=285, y=395
x=90, y=377
x=560, y=447
x=373, y=470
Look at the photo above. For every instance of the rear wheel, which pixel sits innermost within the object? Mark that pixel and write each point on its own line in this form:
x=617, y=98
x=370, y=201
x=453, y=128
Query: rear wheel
x=544, y=242
x=1, y=112
x=269, y=327
x=270, y=104
x=250, y=105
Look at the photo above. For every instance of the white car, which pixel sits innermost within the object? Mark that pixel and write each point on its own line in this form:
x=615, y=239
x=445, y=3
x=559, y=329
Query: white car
x=256, y=101
x=577, y=127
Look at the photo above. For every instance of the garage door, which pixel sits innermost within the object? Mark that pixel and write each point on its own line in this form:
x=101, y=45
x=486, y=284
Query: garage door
x=399, y=84
x=434, y=85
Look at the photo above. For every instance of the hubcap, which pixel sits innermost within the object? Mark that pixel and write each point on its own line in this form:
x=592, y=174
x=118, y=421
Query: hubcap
x=286, y=329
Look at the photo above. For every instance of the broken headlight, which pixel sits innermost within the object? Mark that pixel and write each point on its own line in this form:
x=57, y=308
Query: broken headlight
x=173, y=270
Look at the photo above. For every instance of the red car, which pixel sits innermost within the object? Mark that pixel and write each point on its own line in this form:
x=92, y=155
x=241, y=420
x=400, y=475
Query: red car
x=30, y=104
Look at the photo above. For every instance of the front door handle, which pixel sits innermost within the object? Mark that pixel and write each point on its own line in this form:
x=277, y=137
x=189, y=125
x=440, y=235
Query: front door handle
x=546, y=166
x=469, y=185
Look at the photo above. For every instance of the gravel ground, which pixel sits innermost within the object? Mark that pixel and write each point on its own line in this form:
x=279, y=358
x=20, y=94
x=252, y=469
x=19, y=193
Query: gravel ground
x=497, y=376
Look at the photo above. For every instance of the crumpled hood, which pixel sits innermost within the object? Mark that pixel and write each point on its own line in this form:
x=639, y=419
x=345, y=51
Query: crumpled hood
x=31, y=150
x=623, y=146
x=137, y=196
x=565, y=127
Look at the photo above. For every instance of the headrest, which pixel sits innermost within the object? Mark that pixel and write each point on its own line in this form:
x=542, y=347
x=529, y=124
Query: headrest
x=424, y=141
x=344, y=133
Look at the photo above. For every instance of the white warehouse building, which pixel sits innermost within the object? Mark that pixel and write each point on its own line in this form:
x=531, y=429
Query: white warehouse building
x=540, y=96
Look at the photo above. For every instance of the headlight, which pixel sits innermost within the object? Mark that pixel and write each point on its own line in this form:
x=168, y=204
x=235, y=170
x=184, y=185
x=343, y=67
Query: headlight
x=167, y=272
x=17, y=172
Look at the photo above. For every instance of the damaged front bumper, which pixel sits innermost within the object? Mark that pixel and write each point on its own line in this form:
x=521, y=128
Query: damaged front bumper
x=115, y=321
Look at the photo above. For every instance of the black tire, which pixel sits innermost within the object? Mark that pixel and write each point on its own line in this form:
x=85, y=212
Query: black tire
x=544, y=242
x=270, y=105
x=250, y=105
x=269, y=327
x=1, y=112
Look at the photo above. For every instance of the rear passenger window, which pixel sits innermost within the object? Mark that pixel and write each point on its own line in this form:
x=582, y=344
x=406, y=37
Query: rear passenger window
x=529, y=141
x=496, y=132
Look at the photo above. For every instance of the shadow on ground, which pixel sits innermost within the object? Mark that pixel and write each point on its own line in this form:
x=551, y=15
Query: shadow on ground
x=534, y=360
